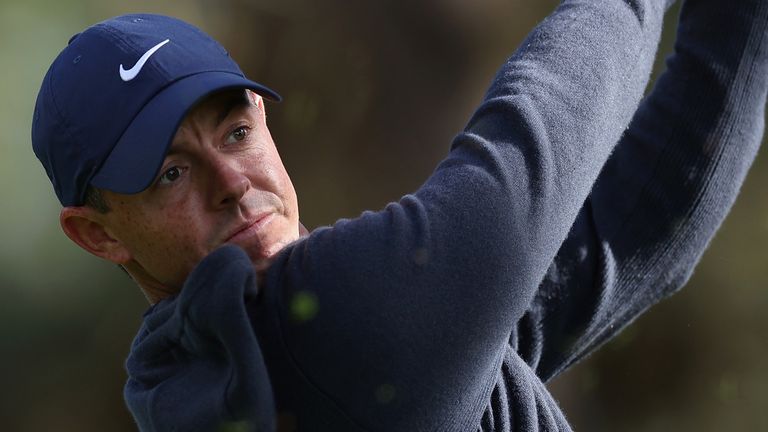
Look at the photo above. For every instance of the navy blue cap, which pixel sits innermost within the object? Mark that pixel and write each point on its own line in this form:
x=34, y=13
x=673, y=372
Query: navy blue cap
x=112, y=100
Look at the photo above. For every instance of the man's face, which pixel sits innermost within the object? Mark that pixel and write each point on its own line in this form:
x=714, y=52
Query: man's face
x=222, y=181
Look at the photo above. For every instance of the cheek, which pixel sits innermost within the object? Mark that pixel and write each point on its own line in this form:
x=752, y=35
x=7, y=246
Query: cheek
x=266, y=172
x=282, y=181
x=166, y=244
x=291, y=201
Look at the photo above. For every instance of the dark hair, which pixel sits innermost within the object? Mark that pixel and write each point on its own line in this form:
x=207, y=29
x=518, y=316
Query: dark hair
x=95, y=200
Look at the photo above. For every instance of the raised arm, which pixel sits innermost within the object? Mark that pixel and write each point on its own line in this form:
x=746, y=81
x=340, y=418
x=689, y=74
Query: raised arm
x=663, y=193
x=414, y=304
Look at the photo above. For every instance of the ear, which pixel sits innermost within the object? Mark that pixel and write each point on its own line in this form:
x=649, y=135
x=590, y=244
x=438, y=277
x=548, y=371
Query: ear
x=85, y=226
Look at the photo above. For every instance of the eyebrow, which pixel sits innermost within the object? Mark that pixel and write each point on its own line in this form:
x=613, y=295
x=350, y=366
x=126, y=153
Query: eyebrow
x=235, y=102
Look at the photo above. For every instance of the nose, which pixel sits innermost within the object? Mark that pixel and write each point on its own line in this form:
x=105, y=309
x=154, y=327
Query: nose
x=229, y=183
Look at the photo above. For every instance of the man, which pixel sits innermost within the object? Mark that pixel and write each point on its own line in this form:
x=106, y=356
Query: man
x=448, y=310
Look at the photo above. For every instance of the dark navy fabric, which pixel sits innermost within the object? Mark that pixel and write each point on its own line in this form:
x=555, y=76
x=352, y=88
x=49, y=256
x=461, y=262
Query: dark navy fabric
x=197, y=365
x=565, y=209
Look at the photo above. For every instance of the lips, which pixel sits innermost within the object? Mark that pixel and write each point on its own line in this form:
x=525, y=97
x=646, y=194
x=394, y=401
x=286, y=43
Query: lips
x=250, y=228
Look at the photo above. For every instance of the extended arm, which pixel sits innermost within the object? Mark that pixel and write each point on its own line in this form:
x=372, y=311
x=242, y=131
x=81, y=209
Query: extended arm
x=399, y=319
x=417, y=301
x=663, y=193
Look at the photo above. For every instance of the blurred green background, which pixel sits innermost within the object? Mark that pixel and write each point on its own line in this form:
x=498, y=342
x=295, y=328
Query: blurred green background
x=374, y=91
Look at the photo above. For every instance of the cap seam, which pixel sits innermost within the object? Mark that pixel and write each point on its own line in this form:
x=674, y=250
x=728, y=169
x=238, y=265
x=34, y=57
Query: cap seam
x=66, y=125
x=114, y=35
x=62, y=117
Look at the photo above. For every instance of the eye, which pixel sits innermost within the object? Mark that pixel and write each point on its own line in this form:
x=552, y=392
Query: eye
x=171, y=175
x=239, y=134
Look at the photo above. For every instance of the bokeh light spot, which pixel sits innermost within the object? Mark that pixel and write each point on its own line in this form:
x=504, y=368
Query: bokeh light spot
x=385, y=393
x=303, y=306
x=728, y=389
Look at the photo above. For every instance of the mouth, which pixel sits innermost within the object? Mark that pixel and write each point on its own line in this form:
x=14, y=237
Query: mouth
x=251, y=228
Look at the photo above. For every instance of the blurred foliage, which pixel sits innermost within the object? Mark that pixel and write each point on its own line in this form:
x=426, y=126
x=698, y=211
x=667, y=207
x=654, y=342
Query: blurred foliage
x=374, y=92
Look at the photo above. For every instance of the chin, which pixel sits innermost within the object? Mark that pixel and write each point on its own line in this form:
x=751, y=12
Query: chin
x=260, y=251
x=260, y=258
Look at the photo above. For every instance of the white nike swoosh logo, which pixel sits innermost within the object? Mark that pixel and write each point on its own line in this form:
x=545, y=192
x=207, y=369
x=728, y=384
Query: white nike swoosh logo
x=131, y=73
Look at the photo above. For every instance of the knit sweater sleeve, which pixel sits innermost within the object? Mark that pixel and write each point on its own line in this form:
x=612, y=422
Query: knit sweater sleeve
x=400, y=318
x=663, y=193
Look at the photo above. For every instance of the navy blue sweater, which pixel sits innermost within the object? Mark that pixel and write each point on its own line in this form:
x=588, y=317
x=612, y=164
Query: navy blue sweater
x=565, y=209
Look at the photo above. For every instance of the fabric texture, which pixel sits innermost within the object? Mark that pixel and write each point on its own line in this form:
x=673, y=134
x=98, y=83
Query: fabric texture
x=565, y=209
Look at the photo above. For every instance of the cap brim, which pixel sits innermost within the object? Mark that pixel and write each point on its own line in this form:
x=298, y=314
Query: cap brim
x=138, y=155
